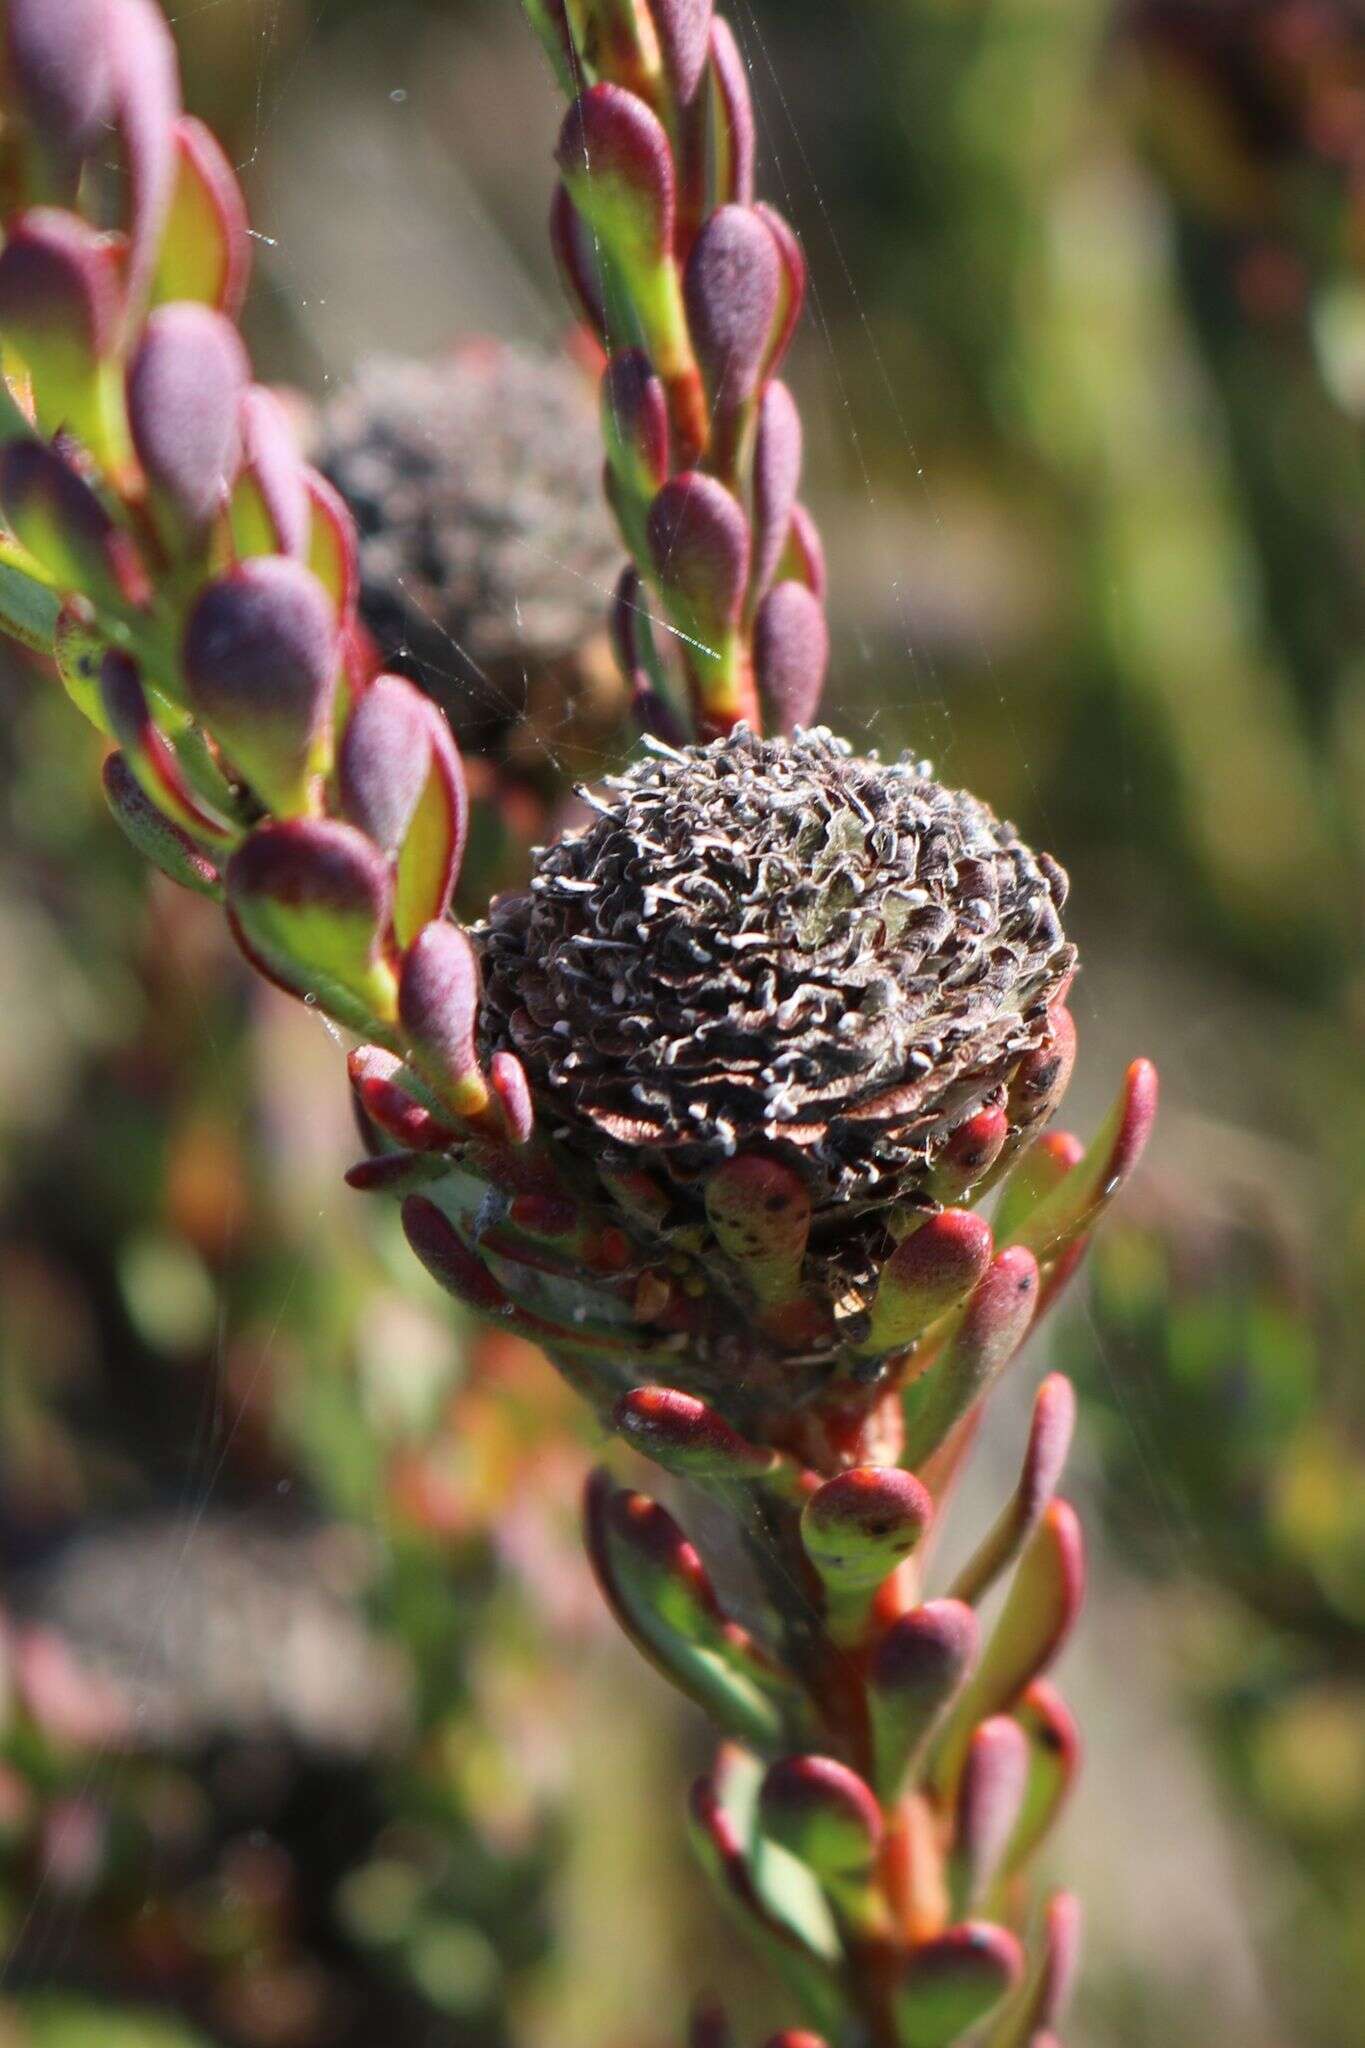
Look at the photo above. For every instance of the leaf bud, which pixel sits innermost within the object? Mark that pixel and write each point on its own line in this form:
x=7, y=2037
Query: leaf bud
x=185, y=386
x=823, y=1814
x=259, y=656
x=309, y=903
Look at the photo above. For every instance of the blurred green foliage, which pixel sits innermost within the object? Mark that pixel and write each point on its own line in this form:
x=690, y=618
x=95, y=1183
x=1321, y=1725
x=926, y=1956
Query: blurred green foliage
x=1224, y=1398
x=57, y=2022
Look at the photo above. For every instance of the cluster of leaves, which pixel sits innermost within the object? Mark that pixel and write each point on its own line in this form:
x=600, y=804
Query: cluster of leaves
x=889, y=1777
x=207, y=580
x=693, y=290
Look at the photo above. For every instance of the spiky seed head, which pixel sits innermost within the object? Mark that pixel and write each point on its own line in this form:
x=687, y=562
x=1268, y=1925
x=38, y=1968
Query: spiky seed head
x=778, y=947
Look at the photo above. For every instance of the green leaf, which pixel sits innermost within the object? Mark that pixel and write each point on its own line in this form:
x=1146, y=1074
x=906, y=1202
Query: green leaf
x=28, y=603
x=759, y=1210
x=205, y=251
x=949, y=1985
x=663, y=1600
x=1040, y=1608
x=79, y=650
x=548, y=21
x=1073, y=1207
x=857, y=1529
x=157, y=838
x=914, y=1673
x=769, y=1914
x=309, y=904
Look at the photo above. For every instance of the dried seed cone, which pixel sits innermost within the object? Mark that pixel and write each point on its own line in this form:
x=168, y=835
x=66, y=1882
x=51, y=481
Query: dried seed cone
x=475, y=481
x=777, y=947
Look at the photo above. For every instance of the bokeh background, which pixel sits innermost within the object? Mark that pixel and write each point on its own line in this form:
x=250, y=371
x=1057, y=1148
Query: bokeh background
x=311, y=1734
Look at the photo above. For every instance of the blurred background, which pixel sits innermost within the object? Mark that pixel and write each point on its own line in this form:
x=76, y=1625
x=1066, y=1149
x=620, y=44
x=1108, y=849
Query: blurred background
x=311, y=1732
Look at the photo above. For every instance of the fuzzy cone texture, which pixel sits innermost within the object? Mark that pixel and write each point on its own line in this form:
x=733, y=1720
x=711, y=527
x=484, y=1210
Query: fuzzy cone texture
x=475, y=481
x=777, y=946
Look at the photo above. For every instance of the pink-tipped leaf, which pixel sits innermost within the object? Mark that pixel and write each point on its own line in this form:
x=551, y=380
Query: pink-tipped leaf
x=822, y=1813
x=803, y=558
x=1043, y=2001
x=731, y=289
x=61, y=303
x=1073, y=1208
x=58, y=62
x=685, y=1436
x=791, y=656
x=332, y=552
x=66, y=528
x=760, y=1212
x=990, y=1795
x=1054, y=1762
x=919, y=1665
x=777, y=477
x=635, y=431
x=1049, y=1440
x=856, y=1530
x=386, y=1094
x=791, y=295
x=950, y=1985
x=992, y=1328
x=507, y=1078
x=684, y=30
x=1042, y=1167
x=146, y=105
x=1040, y=1610
x=614, y=157
x=658, y=1588
x=734, y=140
x=1041, y=1079
x=205, y=251
x=926, y=1275
x=970, y=1153
x=309, y=903
x=721, y=1845
x=259, y=658
x=185, y=386
x=448, y=1259
x=439, y=1006
x=149, y=756
x=402, y=784
x=699, y=545
x=571, y=242
x=271, y=507
x=154, y=835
